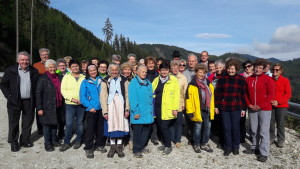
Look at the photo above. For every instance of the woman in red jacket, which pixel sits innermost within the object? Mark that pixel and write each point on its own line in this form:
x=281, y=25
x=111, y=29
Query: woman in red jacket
x=260, y=93
x=280, y=105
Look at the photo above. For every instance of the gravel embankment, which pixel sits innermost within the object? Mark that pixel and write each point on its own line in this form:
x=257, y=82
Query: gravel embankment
x=184, y=157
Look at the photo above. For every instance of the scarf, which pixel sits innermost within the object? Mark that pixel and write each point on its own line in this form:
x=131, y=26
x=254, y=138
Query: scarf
x=202, y=85
x=56, y=83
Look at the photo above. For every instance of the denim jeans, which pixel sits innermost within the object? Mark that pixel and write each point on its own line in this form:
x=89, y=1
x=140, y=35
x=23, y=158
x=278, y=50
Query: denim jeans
x=202, y=129
x=49, y=132
x=176, y=130
x=77, y=112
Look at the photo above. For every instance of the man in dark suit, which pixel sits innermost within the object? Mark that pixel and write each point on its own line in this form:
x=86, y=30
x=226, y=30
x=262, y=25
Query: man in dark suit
x=18, y=87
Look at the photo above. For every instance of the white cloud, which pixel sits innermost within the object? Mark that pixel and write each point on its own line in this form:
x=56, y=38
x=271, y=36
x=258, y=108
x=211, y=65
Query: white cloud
x=212, y=35
x=285, y=39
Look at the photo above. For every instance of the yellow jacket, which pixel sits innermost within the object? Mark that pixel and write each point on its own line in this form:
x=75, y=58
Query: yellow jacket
x=70, y=87
x=170, y=97
x=193, y=102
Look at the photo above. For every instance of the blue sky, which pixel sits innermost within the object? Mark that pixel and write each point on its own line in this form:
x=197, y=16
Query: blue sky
x=264, y=28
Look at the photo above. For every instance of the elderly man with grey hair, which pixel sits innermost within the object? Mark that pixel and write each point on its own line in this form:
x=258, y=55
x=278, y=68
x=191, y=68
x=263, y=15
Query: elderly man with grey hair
x=18, y=87
x=116, y=59
x=192, y=63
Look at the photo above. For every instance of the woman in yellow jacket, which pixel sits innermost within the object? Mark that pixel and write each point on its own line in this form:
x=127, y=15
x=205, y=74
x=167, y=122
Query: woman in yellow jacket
x=166, y=103
x=200, y=108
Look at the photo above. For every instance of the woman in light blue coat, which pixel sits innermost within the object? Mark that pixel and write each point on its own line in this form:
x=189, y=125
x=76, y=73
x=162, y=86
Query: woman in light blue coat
x=89, y=97
x=141, y=110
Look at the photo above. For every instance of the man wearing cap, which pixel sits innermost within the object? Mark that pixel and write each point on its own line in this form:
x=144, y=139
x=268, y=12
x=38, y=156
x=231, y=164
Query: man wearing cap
x=176, y=55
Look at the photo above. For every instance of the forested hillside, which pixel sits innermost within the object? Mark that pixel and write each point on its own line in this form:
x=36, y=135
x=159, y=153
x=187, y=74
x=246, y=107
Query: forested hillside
x=54, y=30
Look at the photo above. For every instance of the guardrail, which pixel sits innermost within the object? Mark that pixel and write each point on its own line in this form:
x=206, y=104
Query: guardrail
x=294, y=110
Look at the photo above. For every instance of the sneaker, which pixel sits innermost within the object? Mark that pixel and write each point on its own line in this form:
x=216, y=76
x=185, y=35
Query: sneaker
x=89, y=153
x=56, y=144
x=145, y=151
x=227, y=152
x=155, y=142
x=280, y=144
x=102, y=149
x=262, y=158
x=138, y=155
x=197, y=149
x=206, y=148
x=235, y=151
x=161, y=148
x=49, y=148
x=178, y=145
x=112, y=151
x=77, y=145
x=167, y=150
x=252, y=151
x=64, y=147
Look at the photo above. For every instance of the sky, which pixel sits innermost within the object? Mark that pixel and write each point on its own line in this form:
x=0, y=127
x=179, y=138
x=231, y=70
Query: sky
x=263, y=28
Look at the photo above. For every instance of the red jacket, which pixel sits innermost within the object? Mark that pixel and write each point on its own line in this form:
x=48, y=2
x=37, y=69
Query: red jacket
x=283, y=91
x=260, y=91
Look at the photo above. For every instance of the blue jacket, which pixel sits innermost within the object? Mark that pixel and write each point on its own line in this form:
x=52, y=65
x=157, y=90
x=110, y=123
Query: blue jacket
x=90, y=93
x=141, y=101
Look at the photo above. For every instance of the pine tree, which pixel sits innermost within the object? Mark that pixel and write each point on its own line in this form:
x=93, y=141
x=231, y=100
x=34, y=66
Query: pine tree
x=107, y=31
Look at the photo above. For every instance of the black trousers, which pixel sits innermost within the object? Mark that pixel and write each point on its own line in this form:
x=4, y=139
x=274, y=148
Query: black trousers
x=243, y=129
x=164, y=127
x=278, y=118
x=61, y=119
x=140, y=136
x=94, y=130
x=14, y=113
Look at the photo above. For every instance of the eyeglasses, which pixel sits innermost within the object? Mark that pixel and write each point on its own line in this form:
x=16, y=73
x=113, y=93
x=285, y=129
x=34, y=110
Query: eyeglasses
x=248, y=66
x=276, y=70
x=182, y=65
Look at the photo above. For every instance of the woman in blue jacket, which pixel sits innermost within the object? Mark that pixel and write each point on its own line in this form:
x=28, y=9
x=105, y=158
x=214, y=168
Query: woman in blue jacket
x=141, y=110
x=89, y=97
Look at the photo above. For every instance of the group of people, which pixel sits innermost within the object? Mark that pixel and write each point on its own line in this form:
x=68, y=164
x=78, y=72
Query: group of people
x=149, y=100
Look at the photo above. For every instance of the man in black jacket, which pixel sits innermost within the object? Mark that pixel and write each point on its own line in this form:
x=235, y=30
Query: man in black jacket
x=18, y=87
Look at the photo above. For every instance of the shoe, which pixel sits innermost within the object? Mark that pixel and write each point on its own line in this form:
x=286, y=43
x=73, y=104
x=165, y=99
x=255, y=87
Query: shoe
x=89, y=153
x=112, y=151
x=197, y=149
x=26, y=144
x=280, y=144
x=167, y=150
x=262, y=158
x=138, y=155
x=119, y=150
x=49, y=148
x=252, y=151
x=206, y=148
x=57, y=144
x=220, y=146
x=178, y=144
x=64, y=147
x=235, y=151
x=145, y=151
x=15, y=148
x=161, y=148
x=102, y=149
x=227, y=152
x=155, y=142
x=77, y=145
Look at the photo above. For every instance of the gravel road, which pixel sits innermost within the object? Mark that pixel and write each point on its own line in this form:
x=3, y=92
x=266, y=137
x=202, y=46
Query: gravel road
x=184, y=157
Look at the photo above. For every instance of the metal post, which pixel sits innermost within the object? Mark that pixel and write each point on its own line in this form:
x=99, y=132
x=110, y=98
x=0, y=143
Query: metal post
x=17, y=28
x=31, y=32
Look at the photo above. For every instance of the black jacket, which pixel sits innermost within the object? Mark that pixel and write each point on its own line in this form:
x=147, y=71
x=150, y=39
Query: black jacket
x=10, y=85
x=46, y=100
x=151, y=75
